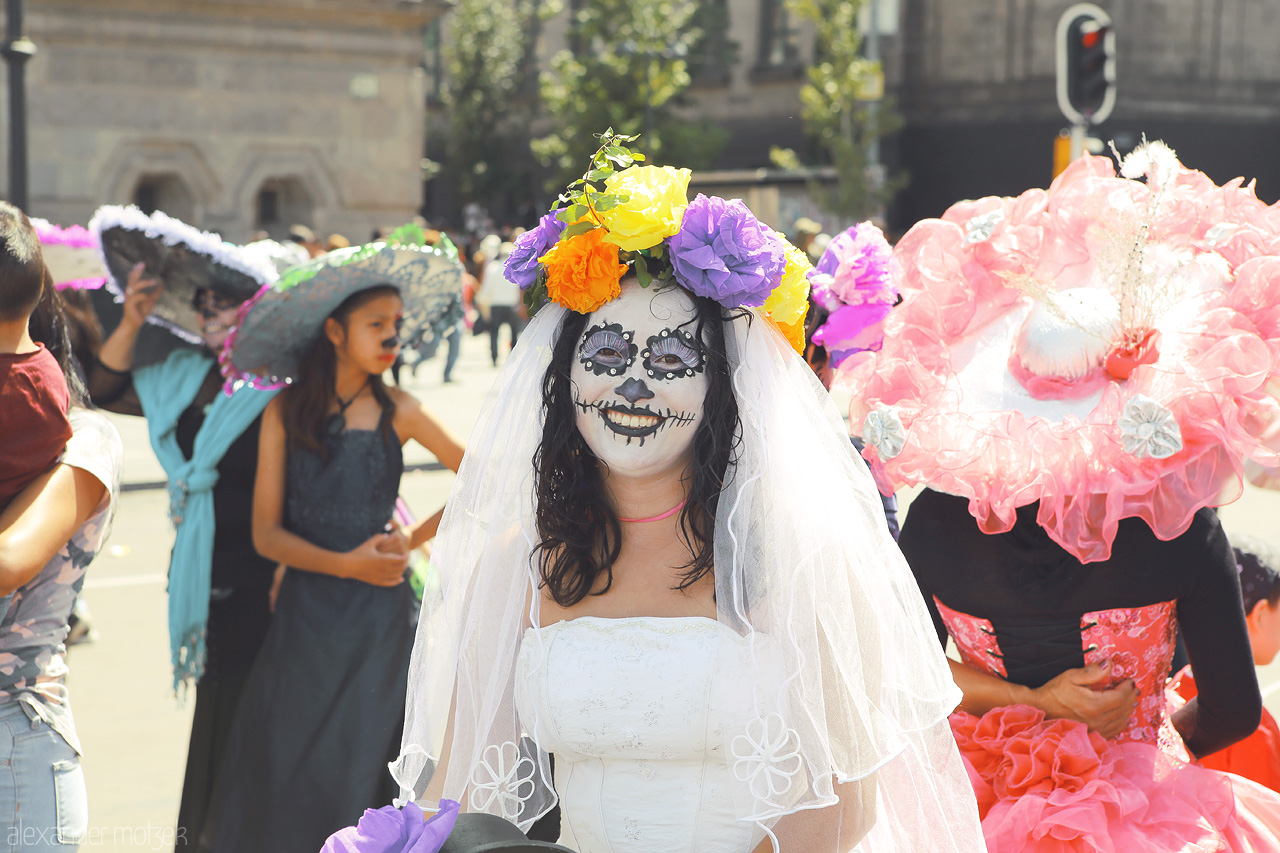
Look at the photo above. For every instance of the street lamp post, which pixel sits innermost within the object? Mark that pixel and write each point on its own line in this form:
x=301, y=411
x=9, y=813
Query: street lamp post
x=17, y=50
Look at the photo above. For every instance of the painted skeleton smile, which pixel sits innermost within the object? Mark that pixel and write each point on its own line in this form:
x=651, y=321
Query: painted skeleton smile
x=632, y=421
x=213, y=327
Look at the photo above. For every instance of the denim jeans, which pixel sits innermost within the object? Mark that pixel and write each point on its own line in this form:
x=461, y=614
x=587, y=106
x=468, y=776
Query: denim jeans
x=455, y=349
x=500, y=315
x=43, y=804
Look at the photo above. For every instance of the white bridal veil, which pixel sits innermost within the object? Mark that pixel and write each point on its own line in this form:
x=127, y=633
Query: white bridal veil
x=847, y=682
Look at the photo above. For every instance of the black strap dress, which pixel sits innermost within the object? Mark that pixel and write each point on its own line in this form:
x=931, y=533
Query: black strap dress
x=322, y=712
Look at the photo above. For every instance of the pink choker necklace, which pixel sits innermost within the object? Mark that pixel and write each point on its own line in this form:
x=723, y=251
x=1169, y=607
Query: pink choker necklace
x=666, y=514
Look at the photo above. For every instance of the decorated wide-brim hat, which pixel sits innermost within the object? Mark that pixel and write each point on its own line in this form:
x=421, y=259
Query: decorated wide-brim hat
x=185, y=259
x=71, y=255
x=279, y=326
x=1109, y=348
x=280, y=256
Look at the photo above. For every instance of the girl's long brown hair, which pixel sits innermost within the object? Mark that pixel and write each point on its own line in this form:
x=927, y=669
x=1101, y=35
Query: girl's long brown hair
x=305, y=403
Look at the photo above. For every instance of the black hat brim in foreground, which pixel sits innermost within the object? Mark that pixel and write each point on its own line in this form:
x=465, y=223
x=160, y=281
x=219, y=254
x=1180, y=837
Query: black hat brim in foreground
x=185, y=259
x=477, y=832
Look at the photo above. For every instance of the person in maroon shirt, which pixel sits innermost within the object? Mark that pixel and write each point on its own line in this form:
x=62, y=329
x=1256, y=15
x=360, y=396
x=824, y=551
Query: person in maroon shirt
x=34, y=427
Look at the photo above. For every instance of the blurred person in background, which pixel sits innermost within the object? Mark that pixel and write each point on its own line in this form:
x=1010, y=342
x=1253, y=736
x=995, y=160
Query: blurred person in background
x=306, y=238
x=502, y=299
x=1257, y=757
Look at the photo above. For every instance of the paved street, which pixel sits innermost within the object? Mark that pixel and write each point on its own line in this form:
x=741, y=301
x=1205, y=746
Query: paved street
x=134, y=730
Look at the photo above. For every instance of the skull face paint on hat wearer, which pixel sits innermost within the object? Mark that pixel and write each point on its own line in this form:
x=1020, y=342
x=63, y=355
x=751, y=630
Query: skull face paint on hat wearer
x=217, y=313
x=639, y=405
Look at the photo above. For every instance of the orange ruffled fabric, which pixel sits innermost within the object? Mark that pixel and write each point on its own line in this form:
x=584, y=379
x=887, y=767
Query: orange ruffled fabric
x=1216, y=379
x=1052, y=786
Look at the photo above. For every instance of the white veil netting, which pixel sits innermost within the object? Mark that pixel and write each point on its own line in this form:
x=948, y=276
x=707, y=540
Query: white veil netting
x=847, y=681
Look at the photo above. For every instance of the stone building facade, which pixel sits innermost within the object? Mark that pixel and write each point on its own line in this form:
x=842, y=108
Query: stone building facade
x=231, y=115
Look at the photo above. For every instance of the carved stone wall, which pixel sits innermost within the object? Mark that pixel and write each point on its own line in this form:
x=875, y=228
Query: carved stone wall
x=214, y=104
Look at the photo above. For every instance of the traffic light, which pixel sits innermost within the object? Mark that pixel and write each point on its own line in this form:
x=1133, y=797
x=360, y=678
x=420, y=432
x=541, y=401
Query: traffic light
x=1086, y=64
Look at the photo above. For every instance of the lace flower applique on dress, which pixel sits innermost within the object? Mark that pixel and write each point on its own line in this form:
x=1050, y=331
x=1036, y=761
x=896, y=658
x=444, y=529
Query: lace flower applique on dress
x=503, y=777
x=767, y=758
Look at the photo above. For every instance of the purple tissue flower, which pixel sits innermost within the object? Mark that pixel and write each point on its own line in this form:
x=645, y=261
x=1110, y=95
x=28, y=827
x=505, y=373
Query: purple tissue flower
x=855, y=267
x=393, y=830
x=723, y=252
x=521, y=267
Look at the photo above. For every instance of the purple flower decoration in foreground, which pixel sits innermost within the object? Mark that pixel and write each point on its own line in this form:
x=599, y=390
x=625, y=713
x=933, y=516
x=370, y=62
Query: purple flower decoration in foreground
x=393, y=830
x=855, y=268
x=723, y=252
x=521, y=267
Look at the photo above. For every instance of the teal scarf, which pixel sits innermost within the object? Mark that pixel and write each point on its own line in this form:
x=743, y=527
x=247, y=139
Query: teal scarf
x=165, y=391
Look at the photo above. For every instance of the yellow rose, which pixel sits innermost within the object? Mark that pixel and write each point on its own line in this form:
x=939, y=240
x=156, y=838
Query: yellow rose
x=656, y=199
x=789, y=301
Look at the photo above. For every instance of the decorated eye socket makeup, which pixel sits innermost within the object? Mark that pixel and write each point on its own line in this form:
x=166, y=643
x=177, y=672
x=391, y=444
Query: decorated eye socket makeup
x=607, y=349
x=672, y=353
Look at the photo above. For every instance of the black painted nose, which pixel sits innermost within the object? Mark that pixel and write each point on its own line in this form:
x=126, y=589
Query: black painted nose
x=634, y=390
x=391, y=343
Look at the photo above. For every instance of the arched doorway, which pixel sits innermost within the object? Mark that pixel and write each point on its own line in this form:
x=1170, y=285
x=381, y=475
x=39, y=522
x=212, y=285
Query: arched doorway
x=166, y=192
x=281, y=202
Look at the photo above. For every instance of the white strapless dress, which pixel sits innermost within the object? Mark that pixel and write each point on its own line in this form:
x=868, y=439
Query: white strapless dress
x=626, y=707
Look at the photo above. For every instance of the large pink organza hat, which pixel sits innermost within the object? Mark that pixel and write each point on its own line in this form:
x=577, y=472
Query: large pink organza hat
x=1109, y=348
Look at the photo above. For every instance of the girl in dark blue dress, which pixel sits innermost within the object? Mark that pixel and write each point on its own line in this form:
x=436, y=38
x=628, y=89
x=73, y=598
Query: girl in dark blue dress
x=321, y=714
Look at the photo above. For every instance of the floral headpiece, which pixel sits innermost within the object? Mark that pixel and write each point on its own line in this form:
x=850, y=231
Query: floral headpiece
x=853, y=283
x=642, y=220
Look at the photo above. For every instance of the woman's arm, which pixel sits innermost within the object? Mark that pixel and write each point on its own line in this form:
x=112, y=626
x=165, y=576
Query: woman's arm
x=109, y=376
x=1071, y=695
x=836, y=827
x=1211, y=617
x=365, y=563
x=42, y=518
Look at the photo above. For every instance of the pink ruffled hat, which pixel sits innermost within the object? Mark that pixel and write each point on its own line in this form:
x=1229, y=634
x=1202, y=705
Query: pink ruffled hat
x=72, y=255
x=1109, y=348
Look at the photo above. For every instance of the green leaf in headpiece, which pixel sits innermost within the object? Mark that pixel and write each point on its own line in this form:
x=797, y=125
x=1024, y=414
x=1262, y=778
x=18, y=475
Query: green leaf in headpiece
x=409, y=234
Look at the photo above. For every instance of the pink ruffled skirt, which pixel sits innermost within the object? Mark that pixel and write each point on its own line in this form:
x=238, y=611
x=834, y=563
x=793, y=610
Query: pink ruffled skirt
x=1052, y=785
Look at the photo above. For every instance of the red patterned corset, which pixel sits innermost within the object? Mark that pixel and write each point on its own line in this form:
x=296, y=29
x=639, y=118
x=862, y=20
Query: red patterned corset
x=1139, y=641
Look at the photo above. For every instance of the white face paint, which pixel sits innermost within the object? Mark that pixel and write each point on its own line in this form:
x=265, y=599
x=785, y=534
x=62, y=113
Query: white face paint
x=639, y=381
x=218, y=315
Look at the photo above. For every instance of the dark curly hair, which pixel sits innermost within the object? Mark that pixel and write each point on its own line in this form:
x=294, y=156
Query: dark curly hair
x=580, y=534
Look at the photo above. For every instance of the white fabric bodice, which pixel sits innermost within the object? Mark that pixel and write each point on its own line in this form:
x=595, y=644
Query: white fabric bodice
x=627, y=708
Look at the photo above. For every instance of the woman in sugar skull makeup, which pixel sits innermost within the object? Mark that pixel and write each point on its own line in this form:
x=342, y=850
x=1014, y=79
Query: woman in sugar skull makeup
x=188, y=282
x=636, y=577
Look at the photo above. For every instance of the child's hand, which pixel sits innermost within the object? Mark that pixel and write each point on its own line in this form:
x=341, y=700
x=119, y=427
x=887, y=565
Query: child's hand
x=369, y=563
x=397, y=542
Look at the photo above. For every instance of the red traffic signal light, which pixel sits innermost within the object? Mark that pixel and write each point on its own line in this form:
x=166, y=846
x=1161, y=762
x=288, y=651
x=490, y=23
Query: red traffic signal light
x=1086, y=64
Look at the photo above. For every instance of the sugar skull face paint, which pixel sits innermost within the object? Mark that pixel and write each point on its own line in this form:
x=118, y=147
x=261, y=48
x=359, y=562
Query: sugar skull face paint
x=638, y=381
x=218, y=315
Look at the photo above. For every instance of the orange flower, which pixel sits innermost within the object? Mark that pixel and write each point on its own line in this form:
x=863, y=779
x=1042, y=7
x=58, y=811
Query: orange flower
x=583, y=272
x=793, y=332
